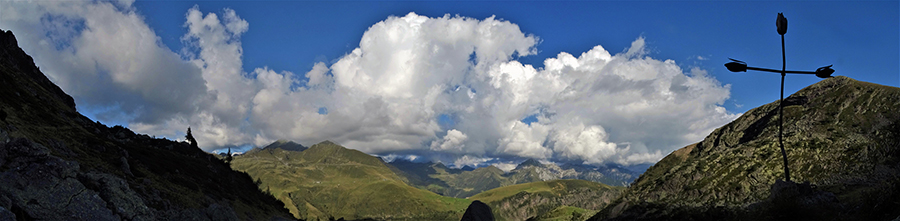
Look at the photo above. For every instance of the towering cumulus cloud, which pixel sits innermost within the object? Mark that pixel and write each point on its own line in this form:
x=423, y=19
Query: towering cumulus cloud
x=447, y=86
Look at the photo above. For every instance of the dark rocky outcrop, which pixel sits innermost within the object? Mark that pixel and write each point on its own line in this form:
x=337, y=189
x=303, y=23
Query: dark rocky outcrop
x=478, y=211
x=56, y=164
x=842, y=136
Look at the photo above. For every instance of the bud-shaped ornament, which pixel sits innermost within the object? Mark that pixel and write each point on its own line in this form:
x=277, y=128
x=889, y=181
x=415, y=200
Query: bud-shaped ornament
x=781, y=23
x=736, y=66
x=824, y=72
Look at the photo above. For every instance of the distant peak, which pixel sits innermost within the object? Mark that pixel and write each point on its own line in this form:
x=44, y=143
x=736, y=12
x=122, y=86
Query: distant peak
x=327, y=142
x=529, y=162
x=286, y=145
x=329, y=145
x=491, y=169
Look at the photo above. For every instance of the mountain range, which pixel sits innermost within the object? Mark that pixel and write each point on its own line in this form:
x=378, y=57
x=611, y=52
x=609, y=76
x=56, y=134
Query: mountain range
x=842, y=142
x=438, y=178
x=327, y=181
x=841, y=135
x=57, y=164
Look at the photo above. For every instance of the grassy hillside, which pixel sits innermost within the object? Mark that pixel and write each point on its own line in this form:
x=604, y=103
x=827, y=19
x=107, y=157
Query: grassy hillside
x=330, y=181
x=841, y=135
x=522, y=201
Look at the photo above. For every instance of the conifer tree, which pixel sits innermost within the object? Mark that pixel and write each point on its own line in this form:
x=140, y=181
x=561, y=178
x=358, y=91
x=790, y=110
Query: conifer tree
x=190, y=138
x=228, y=157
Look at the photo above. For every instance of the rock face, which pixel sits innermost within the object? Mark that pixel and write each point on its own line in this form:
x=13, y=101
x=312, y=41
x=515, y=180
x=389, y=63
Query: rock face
x=56, y=164
x=841, y=135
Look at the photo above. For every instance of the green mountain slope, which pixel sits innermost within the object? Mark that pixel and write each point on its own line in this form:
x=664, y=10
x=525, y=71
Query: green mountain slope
x=522, y=201
x=56, y=164
x=564, y=213
x=841, y=135
x=330, y=181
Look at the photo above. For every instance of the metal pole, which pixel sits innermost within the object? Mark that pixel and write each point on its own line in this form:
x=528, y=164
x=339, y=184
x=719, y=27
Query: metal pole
x=787, y=173
x=779, y=71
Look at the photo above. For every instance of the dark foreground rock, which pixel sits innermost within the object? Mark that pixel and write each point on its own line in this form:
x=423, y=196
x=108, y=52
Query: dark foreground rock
x=793, y=201
x=478, y=211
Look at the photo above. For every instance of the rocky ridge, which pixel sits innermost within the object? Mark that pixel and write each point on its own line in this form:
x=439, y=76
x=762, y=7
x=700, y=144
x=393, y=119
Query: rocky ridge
x=842, y=136
x=56, y=164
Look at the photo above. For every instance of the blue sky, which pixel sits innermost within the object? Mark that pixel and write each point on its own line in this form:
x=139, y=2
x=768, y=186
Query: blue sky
x=859, y=38
x=245, y=73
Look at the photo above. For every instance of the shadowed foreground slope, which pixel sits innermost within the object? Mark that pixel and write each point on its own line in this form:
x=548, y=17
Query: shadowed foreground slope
x=841, y=135
x=56, y=164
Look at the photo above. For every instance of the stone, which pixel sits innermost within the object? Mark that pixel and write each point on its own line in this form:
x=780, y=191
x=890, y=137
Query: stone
x=478, y=211
x=118, y=195
x=219, y=212
x=6, y=215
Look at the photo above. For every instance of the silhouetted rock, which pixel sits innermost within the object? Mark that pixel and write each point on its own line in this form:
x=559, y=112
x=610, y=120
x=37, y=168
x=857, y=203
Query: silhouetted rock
x=6, y=214
x=478, y=211
x=14, y=58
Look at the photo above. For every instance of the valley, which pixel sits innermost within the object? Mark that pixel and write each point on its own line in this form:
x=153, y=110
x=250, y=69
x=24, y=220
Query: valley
x=841, y=155
x=327, y=181
x=438, y=178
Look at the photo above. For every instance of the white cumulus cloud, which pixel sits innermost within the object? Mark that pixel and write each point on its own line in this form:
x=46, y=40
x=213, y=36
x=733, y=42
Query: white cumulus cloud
x=384, y=96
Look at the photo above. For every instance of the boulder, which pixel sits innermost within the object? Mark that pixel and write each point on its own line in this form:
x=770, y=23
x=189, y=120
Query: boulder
x=478, y=211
